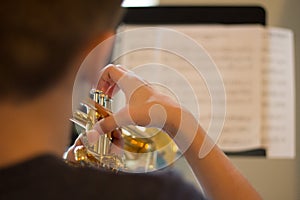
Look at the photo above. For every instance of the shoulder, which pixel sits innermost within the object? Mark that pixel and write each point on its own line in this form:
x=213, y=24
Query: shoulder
x=171, y=185
x=162, y=184
x=51, y=176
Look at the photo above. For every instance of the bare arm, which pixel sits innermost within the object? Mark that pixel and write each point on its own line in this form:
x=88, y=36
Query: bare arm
x=219, y=178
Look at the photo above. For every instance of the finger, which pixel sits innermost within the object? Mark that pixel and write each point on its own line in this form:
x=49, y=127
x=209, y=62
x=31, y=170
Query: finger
x=108, y=87
x=112, y=122
x=78, y=141
x=108, y=78
x=112, y=90
x=109, y=75
x=118, y=143
x=117, y=134
x=92, y=136
x=113, y=76
x=117, y=147
x=122, y=68
x=105, y=125
x=70, y=155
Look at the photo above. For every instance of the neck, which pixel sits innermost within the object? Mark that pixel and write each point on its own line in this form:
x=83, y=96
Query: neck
x=34, y=128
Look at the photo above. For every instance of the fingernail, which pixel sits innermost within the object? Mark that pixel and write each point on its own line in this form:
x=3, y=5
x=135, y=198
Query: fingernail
x=92, y=136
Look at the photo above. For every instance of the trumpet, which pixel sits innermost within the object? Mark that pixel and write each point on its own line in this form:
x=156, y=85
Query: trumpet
x=144, y=149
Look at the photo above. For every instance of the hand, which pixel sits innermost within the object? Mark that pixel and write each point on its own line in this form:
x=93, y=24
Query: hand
x=116, y=148
x=144, y=105
x=70, y=153
x=147, y=107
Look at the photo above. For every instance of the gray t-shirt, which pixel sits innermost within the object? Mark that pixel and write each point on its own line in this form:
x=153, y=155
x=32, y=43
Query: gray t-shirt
x=49, y=177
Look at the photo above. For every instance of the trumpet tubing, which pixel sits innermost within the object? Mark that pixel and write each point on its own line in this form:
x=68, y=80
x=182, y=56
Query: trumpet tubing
x=141, y=149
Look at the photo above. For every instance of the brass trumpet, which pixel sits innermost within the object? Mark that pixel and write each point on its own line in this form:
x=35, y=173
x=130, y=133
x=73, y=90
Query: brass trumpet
x=141, y=153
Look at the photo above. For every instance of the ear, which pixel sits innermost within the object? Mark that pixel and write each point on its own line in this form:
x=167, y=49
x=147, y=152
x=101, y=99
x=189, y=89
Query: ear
x=102, y=37
x=96, y=55
x=96, y=41
x=97, y=49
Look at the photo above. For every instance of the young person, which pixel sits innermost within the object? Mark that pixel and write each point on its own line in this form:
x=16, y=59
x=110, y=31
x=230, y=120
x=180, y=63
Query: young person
x=42, y=46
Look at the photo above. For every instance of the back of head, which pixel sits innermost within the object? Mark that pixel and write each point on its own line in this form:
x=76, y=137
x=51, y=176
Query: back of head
x=39, y=39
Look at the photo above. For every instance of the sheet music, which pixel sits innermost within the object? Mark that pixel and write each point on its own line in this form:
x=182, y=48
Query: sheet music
x=278, y=94
x=253, y=114
x=236, y=55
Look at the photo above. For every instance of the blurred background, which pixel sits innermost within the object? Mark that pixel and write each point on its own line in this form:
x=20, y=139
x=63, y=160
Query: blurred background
x=273, y=178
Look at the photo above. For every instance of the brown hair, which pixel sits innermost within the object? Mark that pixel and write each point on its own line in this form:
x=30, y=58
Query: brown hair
x=39, y=38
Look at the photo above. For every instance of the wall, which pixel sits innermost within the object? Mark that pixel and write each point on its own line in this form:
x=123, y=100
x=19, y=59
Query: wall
x=274, y=179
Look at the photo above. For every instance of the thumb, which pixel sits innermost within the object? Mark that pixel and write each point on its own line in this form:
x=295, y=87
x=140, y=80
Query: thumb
x=102, y=127
x=110, y=123
x=105, y=125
